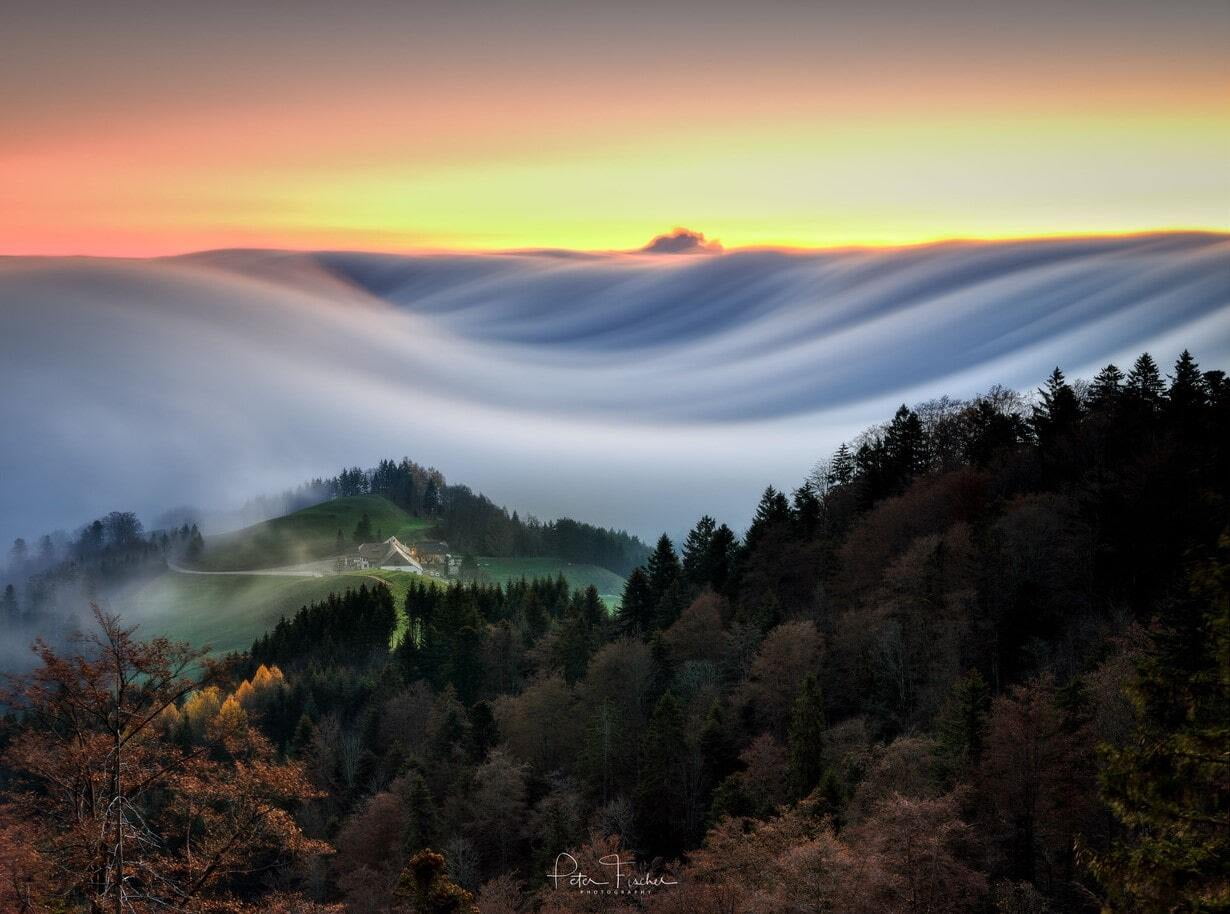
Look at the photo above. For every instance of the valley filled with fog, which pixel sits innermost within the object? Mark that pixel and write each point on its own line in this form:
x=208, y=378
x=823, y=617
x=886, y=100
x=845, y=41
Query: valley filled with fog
x=631, y=390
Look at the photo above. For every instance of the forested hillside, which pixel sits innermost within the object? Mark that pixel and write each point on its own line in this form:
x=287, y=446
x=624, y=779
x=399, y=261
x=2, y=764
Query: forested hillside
x=474, y=524
x=979, y=661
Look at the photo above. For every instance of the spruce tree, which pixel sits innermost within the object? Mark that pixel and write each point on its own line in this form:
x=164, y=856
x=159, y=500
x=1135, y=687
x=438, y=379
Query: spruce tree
x=1188, y=390
x=807, y=511
x=1106, y=388
x=196, y=543
x=718, y=751
x=660, y=792
x=9, y=610
x=772, y=514
x=304, y=736
x=484, y=732
x=1144, y=381
x=905, y=446
x=1169, y=784
x=421, y=822
x=662, y=568
x=1058, y=410
x=671, y=605
x=18, y=555
x=534, y=615
x=961, y=723
x=720, y=560
x=431, y=499
x=696, y=552
x=806, y=740
x=841, y=467
x=593, y=610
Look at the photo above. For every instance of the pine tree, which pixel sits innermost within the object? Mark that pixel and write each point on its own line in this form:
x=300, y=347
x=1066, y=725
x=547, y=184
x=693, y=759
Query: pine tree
x=1058, y=412
x=841, y=467
x=484, y=732
x=662, y=568
x=593, y=610
x=573, y=648
x=905, y=446
x=466, y=662
x=1188, y=390
x=9, y=610
x=363, y=530
x=696, y=552
x=660, y=793
x=962, y=721
x=196, y=544
x=431, y=499
x=772, y=514
x=304, y=736
x=1168, y=784
x=18, y=555
x=718, y=751
x=1107, y=387
x=715, y=567
x=421, y=823
x=672, y=604
x=1144, y=381
x=806, y=740
x=534, y=615
x=47, y=550
x=807, y=511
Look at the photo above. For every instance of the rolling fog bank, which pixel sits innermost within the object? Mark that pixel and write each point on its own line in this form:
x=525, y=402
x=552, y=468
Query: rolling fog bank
x=629, y=390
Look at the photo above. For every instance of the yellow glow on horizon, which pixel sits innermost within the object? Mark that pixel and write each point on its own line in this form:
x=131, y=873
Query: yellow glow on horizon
x=851, y=180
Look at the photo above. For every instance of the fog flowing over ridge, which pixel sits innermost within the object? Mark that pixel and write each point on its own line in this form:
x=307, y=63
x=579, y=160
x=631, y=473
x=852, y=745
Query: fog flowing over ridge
x=631, y=390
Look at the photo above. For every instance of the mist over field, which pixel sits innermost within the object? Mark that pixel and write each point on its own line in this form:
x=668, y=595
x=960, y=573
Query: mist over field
x=630, y=390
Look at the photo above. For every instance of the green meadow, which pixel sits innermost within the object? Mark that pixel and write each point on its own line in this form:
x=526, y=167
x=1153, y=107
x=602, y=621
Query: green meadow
x=310, y=534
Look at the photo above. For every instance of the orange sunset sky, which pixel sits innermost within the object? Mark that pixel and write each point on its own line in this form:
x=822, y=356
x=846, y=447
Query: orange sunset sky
x=142, y=128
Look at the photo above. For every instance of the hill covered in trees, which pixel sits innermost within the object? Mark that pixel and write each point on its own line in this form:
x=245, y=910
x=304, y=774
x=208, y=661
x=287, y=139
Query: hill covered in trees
x=975, y=663
x=468, y=520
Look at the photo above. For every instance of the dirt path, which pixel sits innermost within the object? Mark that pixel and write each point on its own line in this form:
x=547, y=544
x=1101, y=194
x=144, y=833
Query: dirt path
x=288, y=571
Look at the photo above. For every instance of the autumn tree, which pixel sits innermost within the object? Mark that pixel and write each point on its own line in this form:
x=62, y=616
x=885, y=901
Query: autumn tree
x=132, y=818
x=789, y=652
x=918, y=856
x=1035, y=772
x=424, y=888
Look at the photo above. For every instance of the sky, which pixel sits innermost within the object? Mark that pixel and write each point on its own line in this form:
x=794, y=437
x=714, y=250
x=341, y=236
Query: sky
x=137, y=129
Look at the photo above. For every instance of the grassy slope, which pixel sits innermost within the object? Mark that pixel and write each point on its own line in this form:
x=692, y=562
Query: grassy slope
x=228, y=612
x=310, y=534
x=499, y=570
x=231, y=611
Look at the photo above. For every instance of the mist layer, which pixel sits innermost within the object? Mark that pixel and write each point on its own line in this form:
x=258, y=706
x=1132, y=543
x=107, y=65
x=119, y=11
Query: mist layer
x=634, y=390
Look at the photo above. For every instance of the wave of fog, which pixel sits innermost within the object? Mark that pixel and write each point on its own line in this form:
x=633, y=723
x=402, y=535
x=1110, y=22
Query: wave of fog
x=632, y=390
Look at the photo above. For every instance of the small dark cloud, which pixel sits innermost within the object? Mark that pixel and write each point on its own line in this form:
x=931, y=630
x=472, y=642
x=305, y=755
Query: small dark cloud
x=683, y=241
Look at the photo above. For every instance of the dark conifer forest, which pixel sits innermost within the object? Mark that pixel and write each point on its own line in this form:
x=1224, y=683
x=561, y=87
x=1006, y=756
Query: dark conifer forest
x=977, y=661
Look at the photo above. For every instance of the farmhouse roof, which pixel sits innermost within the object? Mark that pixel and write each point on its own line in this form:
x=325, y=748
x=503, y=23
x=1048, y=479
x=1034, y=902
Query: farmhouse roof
x=391, y=552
